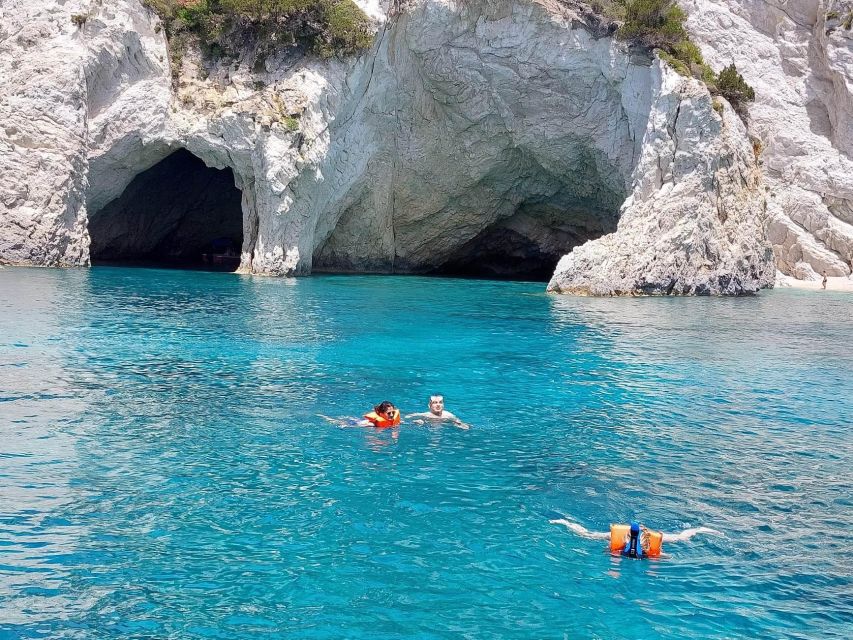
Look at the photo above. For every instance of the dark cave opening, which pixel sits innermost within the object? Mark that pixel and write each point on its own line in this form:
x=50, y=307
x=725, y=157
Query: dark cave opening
x=529, y=244
x=180, y=213
x=501, y=254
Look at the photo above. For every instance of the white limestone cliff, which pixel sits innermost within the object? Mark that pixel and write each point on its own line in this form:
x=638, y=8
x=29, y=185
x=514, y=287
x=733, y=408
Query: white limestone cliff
x=798, y=56
x=694, y=223
x=469, y=130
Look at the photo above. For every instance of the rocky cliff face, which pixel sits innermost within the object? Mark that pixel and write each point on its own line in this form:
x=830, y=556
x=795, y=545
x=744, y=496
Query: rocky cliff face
x=798, y=55
x=694, y=223
x=484, y=136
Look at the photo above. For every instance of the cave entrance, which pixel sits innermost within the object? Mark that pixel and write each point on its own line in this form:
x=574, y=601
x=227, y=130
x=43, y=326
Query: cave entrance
x=179, y=213
x=525, y=246
x=528, y=244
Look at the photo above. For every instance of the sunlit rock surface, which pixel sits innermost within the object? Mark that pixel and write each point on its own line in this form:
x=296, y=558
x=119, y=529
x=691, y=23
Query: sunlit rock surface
x=694, y=224
x=798, y=55
x=485, y=137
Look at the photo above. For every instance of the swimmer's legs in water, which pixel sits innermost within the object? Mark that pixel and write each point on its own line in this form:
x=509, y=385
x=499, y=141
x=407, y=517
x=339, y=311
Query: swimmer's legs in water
x=689, y=533
x=342, y=422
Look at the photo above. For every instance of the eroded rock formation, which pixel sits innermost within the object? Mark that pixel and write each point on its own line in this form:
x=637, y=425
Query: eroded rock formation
x=694, y=224
x=798, y=55
x=176, y=212
x=470, y=131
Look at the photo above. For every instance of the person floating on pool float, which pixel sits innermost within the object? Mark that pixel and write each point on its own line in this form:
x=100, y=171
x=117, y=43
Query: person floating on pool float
x=634, y=540
x=437, y=413
x=384, y=416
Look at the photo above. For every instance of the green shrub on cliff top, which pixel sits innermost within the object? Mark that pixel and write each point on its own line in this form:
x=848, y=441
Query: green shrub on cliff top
x=325, y=27
x=659, y=25
x=654, y=23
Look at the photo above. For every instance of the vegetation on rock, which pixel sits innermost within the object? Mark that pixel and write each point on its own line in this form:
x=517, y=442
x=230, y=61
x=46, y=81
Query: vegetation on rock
x=839, y=16
x=659, y=25
x=226, y=27
x=732, y=86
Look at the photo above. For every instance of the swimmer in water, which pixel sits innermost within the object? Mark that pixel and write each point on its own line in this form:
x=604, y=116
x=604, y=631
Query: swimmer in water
x=634, y=541
x=383, y=416
x=437, y=413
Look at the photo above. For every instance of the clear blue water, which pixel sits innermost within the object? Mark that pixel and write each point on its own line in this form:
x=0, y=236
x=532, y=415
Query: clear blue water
x=163, y=473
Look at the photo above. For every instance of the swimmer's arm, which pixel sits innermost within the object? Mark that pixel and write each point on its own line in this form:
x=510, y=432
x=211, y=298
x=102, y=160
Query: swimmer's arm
x=581, y=531
x=458, y=423
x=689, y=533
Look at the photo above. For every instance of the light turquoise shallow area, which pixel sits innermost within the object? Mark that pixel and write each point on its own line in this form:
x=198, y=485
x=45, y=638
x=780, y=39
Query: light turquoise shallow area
x=163, y=473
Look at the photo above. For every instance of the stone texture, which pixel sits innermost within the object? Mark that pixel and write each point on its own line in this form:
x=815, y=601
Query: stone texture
x=43, y=144
x=469, y=131
x=799, y=58
x=694, y=222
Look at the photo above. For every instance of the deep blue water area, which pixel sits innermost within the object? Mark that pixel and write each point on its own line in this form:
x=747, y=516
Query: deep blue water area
x=164, y=473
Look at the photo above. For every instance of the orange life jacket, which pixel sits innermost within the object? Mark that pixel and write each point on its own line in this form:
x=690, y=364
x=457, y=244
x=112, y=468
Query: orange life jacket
x=381, y=421
x=620, y=534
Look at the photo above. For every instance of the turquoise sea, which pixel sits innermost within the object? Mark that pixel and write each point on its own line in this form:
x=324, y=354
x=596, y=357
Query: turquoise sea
x=163, y=472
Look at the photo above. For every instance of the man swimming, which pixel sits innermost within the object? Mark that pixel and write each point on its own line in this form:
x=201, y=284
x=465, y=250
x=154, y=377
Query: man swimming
x=634, y=540
x=437, y=413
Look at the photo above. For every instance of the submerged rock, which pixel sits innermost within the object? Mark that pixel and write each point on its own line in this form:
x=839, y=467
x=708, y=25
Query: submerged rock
x=485, y=136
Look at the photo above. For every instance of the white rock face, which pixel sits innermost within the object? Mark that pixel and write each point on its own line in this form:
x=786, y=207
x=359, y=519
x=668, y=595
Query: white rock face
x=43, y=146
x=798, y=55
x=694, y=224
x=472, y=133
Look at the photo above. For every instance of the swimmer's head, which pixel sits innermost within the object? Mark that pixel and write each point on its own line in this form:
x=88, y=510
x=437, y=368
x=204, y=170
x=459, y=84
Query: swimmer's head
x=385, y=409
x=436, y=404
x=635, y=529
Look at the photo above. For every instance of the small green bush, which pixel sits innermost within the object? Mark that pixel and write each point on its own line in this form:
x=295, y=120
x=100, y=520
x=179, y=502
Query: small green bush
x=290, y=123
x=349, y=27
x=706, y=74
x=659, y=25
x=732, y=86
x=680, y=67
x=225, y=27
x=687, y=52
x=654, y=23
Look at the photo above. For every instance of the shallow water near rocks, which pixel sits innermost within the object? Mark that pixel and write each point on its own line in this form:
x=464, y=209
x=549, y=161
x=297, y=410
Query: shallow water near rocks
x=163, y=472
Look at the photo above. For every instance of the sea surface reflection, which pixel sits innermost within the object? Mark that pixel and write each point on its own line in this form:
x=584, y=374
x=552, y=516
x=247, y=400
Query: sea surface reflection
x=164, y=473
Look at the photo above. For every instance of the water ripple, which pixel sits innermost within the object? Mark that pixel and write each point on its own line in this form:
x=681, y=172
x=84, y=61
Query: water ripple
x=164, y=473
